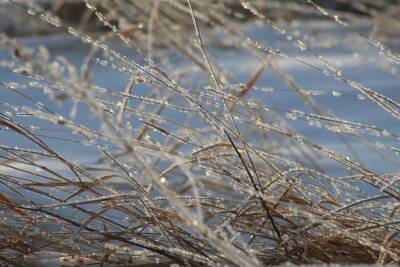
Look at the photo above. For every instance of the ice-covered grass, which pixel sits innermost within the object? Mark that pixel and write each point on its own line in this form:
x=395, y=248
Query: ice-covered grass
x=186, y=135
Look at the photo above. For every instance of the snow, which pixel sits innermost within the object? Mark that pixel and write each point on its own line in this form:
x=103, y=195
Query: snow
x=332, y=42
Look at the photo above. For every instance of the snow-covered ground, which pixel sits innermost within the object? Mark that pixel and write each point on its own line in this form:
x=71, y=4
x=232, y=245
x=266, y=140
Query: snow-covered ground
x=354, y=55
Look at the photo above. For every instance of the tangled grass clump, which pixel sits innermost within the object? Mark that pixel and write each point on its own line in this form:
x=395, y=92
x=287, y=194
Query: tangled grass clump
x=153, y=149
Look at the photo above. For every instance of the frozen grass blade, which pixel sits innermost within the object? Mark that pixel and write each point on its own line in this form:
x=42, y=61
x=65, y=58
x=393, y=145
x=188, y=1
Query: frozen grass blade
x=186, y=137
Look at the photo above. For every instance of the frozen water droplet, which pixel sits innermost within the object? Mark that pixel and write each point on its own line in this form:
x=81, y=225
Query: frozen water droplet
x=385, y=133
x=301, y=45
x=60, y=120
x=32, y=12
